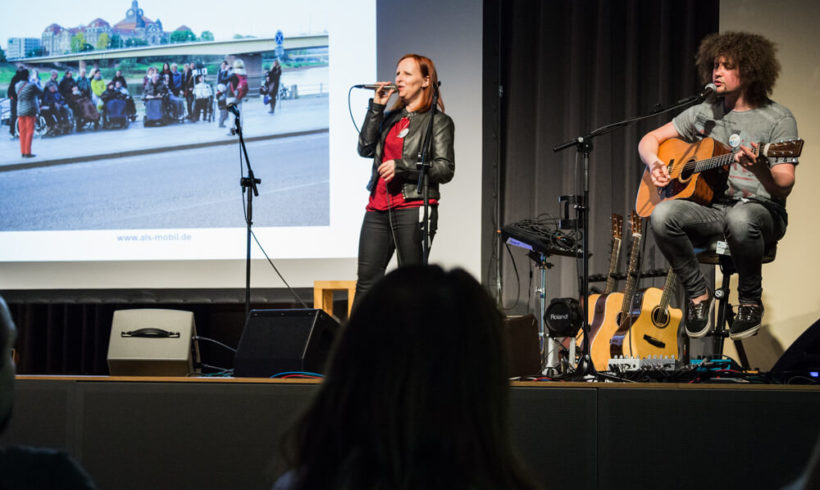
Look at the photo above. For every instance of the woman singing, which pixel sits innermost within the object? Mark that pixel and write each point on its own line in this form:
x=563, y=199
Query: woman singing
x=393, y=139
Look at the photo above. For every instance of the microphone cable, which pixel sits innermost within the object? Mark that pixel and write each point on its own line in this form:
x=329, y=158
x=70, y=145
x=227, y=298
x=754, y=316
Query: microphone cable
x=350, y=109
x=253, y=234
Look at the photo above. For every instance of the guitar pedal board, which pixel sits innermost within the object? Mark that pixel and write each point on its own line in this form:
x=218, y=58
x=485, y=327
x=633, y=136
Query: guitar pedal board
x=623, y=364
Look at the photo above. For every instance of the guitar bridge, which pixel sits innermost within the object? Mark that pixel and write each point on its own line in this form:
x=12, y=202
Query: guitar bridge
x=654, y=342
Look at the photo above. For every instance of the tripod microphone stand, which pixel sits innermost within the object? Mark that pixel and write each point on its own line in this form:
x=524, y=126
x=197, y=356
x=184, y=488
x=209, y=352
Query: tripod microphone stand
x=249, y=187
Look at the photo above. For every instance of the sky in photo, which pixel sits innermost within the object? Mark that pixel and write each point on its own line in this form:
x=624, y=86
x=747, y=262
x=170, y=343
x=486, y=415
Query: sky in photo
x=259, y=18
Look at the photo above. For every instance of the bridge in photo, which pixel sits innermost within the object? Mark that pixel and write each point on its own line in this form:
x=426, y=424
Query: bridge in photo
x=249, y=49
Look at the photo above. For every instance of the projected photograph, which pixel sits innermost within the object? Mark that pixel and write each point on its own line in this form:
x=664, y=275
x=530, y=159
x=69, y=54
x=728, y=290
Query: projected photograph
x=132, y=120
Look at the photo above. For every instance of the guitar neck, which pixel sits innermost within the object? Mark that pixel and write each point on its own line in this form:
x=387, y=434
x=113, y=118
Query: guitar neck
x=613, y=265
x=617, y=222
x=791, y=148
x=668, y=289
x=631, y=279
x=709, y=163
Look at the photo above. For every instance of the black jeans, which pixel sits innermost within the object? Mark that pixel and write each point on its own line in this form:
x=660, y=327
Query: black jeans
x=748, y=227
x=384, y=232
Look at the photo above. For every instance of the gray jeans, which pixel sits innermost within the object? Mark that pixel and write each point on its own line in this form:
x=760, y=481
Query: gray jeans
x=748, y=227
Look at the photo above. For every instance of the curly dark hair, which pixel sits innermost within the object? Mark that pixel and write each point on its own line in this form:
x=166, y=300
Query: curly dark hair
x=754, y=56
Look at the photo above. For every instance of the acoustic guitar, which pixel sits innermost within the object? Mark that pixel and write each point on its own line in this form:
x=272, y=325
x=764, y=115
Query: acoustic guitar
x=655, y=331
x=617, y=225
x=613, y=314
x=688, y=165
x=627, y=316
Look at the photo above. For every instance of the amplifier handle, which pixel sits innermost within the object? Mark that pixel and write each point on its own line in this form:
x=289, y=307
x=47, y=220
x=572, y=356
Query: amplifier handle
x=150, y=333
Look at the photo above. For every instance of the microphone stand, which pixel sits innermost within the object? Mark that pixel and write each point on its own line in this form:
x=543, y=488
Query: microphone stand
x=423, y=165
x=248, y=184
x=583, y=145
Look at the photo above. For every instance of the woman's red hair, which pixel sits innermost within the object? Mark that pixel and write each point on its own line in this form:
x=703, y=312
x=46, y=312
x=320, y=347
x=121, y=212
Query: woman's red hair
x=427, y=69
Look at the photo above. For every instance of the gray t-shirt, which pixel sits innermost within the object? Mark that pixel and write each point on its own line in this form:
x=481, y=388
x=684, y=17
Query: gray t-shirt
x=771, y=123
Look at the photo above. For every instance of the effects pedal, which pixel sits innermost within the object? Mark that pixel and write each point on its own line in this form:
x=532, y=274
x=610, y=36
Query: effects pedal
x=622, y=364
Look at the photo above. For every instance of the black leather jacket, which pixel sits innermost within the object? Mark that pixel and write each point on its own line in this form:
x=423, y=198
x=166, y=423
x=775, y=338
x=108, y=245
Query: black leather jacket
x=377, y=124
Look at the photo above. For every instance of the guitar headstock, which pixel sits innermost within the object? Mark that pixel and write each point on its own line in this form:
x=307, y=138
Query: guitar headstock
x=792, y=148
x=617, y=226
x=636, y=223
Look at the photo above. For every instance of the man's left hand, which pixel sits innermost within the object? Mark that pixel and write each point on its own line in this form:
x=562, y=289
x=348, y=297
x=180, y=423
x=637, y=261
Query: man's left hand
x=749, y=159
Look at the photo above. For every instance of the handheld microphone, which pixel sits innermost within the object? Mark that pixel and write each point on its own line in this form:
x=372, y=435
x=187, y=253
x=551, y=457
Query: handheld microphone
x=376, y=86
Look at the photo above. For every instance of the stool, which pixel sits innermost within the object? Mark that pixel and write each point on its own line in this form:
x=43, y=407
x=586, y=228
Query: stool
x=717, y=253
x=323, y=294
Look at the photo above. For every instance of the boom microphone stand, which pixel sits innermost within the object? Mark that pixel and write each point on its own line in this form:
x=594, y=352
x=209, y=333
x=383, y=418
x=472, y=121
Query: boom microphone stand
x=583, y=144
x=248, y=184
x=423, y=165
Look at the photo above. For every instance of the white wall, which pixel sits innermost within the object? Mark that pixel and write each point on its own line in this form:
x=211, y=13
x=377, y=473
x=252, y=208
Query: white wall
x=449, y=33
x=790, y=284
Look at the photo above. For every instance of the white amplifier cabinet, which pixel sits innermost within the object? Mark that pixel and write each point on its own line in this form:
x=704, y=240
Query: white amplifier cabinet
x=152, y=342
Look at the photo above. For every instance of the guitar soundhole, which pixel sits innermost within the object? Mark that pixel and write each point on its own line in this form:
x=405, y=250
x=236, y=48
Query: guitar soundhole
x=660, y=318
x=686, y=171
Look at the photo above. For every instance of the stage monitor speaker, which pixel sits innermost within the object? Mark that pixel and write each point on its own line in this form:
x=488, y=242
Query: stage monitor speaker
x=804, y=353
x=152, y=342
x=523, y=351
x=278, y=341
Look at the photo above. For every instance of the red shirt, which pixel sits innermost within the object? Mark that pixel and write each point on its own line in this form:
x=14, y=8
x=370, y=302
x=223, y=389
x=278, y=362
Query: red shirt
x=389, y=196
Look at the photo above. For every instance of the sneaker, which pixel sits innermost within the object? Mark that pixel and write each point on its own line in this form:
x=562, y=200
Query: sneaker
x=697, y=317
x=747, y=322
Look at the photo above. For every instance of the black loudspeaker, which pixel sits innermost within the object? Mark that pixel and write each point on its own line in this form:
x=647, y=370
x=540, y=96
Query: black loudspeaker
x=523, y=358
x=278, y=341
x=804, y=353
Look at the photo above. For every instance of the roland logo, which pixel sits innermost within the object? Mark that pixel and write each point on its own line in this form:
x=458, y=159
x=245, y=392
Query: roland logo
x=558, y=316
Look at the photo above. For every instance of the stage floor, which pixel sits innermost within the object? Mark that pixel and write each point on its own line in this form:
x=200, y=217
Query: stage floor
x=207, y=432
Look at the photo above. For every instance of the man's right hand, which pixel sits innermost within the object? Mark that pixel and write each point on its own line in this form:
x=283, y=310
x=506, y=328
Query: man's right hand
x=659, y=173
x=648, y=151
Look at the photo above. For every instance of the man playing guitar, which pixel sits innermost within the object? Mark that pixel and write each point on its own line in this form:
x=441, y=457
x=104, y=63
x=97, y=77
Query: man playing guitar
x=750, y=212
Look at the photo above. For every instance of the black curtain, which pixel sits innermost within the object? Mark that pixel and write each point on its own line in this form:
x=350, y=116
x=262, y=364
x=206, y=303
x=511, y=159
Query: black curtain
x=72, y=339
x=565, y=68
x=67, y=331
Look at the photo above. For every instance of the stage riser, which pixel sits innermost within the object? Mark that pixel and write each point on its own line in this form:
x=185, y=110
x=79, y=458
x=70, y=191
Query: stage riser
x=226, y=435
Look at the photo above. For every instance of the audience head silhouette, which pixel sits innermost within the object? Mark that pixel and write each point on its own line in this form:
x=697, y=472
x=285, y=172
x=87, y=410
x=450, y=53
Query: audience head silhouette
x=22, y=466
x=7, y=336
x=415, y=394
